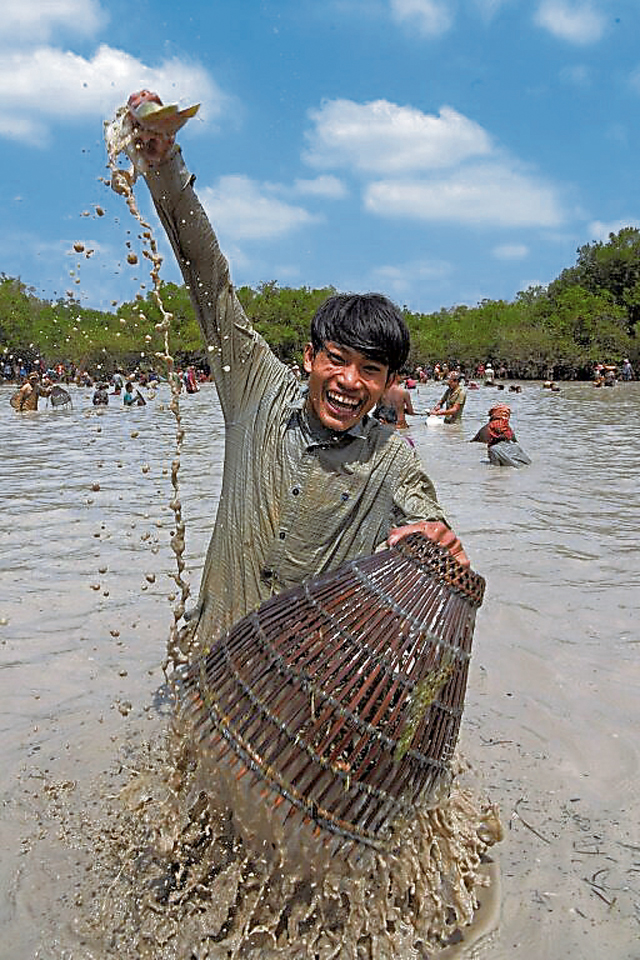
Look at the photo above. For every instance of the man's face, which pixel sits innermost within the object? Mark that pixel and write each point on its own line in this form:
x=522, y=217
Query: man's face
x=344, y=384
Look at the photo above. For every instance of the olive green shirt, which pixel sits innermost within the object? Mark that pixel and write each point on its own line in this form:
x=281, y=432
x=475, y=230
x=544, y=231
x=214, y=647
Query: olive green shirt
x=297, y=499
x=450, y=397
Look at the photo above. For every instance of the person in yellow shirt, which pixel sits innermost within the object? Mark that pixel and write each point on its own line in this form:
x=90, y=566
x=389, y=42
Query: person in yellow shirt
x=451, y=404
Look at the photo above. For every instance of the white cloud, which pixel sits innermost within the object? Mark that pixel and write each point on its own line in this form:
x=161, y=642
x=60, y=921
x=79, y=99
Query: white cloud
x=511, y=251
x=618, y=133
x=402, y=280
x=430, y=167
x=323, y=186
x=481, y=195
x=577, y=22
x=489, y=8
x=256, y=266
x=578, y=76
x=244, y=210
x=384, y=138
x=35, y=21
x=634, y=79
x=370, y=9
x=599, y=230
x=429, y=17
x=24, y=129
x=46, y=85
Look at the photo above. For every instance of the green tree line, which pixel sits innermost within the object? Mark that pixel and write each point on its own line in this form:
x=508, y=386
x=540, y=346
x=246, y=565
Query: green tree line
x=588, y=314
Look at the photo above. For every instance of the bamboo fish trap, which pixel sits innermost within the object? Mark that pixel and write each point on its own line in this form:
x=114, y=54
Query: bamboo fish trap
x=344, y=696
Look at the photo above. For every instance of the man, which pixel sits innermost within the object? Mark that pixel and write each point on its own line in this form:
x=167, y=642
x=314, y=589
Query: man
x=100, y=395
x=29, y=393
x=131, y=399
x=395, y=404
x=310, y=480
x=452, y=401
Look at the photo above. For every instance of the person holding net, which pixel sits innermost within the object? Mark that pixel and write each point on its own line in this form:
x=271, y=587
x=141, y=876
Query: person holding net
x=310, y=479
x=27, y=397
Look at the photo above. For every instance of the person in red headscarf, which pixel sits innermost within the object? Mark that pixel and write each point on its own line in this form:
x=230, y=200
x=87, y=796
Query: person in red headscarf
x=502, y=446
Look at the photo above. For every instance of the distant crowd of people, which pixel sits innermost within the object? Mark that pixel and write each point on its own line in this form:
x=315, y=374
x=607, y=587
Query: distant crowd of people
x=35, y=380
x=606, y=374
x=394, y=405
x=18, y=371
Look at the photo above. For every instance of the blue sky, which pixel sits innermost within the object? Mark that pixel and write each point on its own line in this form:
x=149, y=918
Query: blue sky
x=440, y=151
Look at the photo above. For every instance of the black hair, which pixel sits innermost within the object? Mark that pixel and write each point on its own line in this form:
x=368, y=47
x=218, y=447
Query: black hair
x=367, y=322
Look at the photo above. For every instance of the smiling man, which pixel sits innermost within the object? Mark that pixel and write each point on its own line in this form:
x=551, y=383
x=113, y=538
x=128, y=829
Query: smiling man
x=356, y=345
x=310, y=479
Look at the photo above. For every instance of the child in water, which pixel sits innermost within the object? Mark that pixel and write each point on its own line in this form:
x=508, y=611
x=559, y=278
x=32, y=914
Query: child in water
x=131, y=399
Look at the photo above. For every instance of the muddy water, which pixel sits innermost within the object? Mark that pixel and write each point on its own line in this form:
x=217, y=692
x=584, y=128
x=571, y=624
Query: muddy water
x=551, y=718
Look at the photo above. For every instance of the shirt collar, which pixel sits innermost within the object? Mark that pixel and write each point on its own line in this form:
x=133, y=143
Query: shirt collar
x=318, y=435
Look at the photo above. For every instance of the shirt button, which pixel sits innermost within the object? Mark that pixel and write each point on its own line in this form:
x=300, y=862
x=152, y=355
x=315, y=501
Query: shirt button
x=282, y=535
x=295, y=491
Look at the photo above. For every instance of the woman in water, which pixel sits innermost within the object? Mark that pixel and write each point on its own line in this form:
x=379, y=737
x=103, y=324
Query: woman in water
x=502, y=446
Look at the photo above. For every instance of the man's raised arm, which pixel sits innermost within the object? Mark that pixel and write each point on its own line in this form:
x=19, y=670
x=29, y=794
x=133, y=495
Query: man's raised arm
x=223, y=323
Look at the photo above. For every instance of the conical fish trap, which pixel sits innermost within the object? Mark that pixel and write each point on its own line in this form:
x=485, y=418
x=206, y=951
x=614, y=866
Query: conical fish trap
x=344, y=696
x=60, y=398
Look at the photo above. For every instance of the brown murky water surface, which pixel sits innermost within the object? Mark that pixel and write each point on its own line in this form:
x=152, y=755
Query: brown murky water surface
x=90, y=866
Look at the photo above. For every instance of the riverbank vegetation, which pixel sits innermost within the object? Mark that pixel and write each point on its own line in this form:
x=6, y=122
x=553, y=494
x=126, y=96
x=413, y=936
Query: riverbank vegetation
x=589, y=314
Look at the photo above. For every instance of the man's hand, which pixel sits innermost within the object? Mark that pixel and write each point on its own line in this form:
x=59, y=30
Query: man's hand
x=151, y=143
x=437, y=531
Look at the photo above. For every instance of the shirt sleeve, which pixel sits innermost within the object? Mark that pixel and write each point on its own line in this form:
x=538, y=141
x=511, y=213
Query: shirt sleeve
x=415, y=496
x=455, y=396
x=241, y=361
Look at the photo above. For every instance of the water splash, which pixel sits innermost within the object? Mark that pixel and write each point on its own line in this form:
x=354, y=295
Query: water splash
x=118, y=137
x=193, y=867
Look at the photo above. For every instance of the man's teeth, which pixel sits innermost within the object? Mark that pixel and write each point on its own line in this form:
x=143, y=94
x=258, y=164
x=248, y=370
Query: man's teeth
x=342, y=401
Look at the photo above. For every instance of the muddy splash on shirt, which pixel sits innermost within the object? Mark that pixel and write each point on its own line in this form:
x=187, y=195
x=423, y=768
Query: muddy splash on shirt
x=186, y=859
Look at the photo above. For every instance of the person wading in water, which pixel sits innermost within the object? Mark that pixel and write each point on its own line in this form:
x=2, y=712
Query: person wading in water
x=29, y=393
x=395, y=404
x=310, y=479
